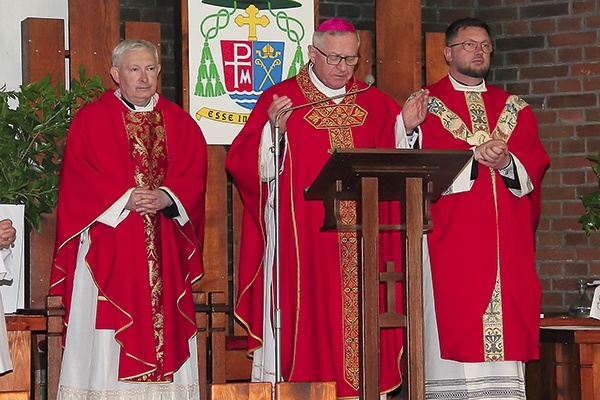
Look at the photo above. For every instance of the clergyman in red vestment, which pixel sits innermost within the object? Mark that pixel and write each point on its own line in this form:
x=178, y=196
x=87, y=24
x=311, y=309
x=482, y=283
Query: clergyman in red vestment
x=486, y=293
x=318, y=270
x=129, y=239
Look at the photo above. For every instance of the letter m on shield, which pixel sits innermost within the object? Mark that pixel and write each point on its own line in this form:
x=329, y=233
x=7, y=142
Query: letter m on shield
x=251, y=67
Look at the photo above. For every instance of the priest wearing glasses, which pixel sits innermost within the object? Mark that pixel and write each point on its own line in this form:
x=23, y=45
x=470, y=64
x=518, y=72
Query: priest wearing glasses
x=482, y=293
x=318, y=270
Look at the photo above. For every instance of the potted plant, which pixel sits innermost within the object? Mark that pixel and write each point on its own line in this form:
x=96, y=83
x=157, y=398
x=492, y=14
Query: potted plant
x=590, y=220
x=32, y=132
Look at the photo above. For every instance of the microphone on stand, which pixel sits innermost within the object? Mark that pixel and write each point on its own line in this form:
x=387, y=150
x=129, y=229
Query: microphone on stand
x=369, y=80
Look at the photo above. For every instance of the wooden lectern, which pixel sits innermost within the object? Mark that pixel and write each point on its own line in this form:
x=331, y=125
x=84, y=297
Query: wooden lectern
x=416, y=177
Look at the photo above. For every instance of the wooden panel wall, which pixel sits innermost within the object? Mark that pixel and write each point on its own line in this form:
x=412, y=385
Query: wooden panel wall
x=435, y=63
x=93, y=33
x=398, y=46
x=149, y=31
x=43, y=49
x=365, y=67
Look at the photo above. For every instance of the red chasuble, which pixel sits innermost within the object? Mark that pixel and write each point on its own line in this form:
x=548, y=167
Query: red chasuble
x=482, y=243
x=319, y=270
x=144, y=267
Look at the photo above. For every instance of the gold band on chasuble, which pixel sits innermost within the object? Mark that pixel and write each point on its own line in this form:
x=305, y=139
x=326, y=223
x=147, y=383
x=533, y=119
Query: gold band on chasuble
x=493, y=330
x=455, y=125
x=508, y=119
x=348, y=242
x=337, y=120
x=147, y=141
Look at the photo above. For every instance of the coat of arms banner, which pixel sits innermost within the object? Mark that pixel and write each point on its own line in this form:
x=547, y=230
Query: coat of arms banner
x=237, y=50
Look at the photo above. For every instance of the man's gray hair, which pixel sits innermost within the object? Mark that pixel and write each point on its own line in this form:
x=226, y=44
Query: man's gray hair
x=132, y=45
x=317, y=36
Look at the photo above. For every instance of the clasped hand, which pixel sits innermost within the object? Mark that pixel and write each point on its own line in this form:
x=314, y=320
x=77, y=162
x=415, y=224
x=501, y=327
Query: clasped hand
x=147, y=202
x=493, y=154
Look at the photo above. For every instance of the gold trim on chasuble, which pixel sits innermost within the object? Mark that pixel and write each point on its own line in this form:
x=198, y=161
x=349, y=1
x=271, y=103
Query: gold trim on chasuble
x=338, y=121
x=147, y=141
x=493, y=331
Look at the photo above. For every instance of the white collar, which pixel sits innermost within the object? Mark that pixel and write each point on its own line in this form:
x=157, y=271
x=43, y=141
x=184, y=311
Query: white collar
x=148, y=107
x=327, y=91
x=461, y=87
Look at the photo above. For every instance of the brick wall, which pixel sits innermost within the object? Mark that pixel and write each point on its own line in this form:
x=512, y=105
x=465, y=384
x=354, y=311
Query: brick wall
x=547, y=52
x=360, y=12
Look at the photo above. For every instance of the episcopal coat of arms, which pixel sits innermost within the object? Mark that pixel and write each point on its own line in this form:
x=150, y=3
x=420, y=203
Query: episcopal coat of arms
x=237, y=50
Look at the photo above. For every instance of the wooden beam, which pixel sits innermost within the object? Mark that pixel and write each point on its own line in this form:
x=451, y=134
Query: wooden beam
x=149, y=31
x=436, y=66
x=93, y=33
x=56, y=315
x=215, y=237
x=365, y=66
x=185, y=56
x=305, y=391
x=236, y=391
x=398, y=47
x=42, y=49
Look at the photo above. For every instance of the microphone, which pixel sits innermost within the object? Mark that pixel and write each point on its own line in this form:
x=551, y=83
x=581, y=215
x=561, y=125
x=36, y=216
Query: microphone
x=369, y=80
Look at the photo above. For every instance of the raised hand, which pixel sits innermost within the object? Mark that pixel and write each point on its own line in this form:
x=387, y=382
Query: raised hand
x=415, y=110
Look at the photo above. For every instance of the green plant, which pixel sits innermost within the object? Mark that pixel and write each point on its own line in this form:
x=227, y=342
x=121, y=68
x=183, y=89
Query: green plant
x=32, y=132
x=591, y=218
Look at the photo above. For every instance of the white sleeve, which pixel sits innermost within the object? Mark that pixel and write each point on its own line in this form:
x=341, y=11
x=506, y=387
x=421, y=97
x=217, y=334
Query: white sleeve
x=117, y=212
x=524, y=179
x=267, y=154
x=404, y=140
x=463, y=182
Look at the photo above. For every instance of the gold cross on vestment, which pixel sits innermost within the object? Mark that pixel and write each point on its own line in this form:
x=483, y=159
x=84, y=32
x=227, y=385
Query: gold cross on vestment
x=252, y=20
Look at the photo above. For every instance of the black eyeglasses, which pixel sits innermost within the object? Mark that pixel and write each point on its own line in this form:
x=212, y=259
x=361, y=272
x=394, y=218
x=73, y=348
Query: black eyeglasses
x=334, y=59
x=470, y=46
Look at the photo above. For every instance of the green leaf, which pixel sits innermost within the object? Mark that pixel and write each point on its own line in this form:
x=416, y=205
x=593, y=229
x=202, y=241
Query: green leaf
x=590, y=220
x=32, y=136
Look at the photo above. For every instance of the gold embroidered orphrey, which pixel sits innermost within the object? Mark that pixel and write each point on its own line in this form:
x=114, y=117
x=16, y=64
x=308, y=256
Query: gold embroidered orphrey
x=147, y=141
x=338, y=120
x=493, y=334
